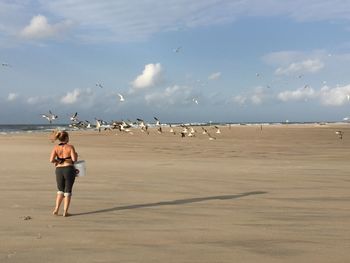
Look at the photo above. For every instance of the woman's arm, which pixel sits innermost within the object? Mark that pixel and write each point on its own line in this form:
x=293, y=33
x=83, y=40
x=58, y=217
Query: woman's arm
x=74, y=154
x=53, y=155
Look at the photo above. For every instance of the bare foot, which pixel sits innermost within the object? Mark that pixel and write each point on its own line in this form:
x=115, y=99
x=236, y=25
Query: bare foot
x=55, y=212
x=65, y=214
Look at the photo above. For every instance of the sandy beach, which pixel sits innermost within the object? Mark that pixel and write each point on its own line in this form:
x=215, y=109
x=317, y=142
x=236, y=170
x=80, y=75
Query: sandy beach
x=280, y=194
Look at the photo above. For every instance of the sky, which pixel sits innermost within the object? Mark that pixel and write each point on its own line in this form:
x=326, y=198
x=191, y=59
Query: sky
x=177, y=60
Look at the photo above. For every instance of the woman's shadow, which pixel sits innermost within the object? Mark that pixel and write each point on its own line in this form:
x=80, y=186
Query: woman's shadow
x=174, y=202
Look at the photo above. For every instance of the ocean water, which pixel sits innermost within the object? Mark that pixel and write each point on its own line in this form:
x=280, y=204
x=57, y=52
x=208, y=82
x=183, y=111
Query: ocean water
x=29, y=128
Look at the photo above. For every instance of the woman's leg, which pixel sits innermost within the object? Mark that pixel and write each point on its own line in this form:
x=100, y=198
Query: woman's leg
x=69, y=178
x=60, y=185
x=67, y=199
x=59, y=199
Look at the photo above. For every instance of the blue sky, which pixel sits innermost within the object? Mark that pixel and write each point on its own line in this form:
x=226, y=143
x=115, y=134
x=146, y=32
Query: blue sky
x=236, y=61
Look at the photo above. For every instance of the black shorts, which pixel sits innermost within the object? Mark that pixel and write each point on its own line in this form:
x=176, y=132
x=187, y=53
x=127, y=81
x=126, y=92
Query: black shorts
x=65, y=177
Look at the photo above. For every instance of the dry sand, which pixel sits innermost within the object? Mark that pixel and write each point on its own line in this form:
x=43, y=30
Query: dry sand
x=277, y=195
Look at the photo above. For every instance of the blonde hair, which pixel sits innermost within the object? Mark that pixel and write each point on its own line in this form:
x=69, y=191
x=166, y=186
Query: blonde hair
x=62, y=136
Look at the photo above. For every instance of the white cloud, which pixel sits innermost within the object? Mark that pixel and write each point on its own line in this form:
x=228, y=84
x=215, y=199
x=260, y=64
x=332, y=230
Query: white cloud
x=283, y=57
x=297, y=95
x=239, y=99
x=174, y=95
x=327, y=96
x=132, y=20
x=214, y=76
x=335, y=96
x=40, y=28
x=150, y=76
x=256, y=97
x=311, y=66
x=12, y=96
x=35, y=99
x=77, y=95
x=71, y=97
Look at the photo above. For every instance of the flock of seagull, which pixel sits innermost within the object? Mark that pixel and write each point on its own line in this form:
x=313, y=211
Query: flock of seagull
x=129, y=126
x=185, y=130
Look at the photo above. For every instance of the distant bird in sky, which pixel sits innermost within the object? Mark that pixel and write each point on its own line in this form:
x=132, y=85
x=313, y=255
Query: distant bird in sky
x=99, y=85
x=195, y=101
x=306, y=86
x=177, y=50
x=50, y=117
x=121, y=97
x=257, y=74
x=74, y=117
x=5, y=65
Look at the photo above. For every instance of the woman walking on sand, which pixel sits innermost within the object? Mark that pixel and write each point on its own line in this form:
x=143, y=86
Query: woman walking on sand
x=63, y=157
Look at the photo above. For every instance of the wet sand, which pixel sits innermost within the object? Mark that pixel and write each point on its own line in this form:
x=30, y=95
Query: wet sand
x=280, y=194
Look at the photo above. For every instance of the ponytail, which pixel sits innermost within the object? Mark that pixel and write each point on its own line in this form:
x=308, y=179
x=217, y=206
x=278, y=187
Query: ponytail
x=59, y=135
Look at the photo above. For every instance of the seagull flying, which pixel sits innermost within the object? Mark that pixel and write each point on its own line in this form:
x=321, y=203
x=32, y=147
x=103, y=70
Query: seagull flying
x=50, y=117
x=99, y=85
x=5, y=65
x=157, y=121
x=195, y=101
x=121, y=97
x=74, y=117
x=143, y=126
x=177, y=50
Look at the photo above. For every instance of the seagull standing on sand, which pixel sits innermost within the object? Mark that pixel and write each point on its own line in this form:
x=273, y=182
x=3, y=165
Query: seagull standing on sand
x=207, y=133
x=217, y=130
x=143, y=126
x=192, y=132
x=210, y=137
x=171, y=129
x=340, y=134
